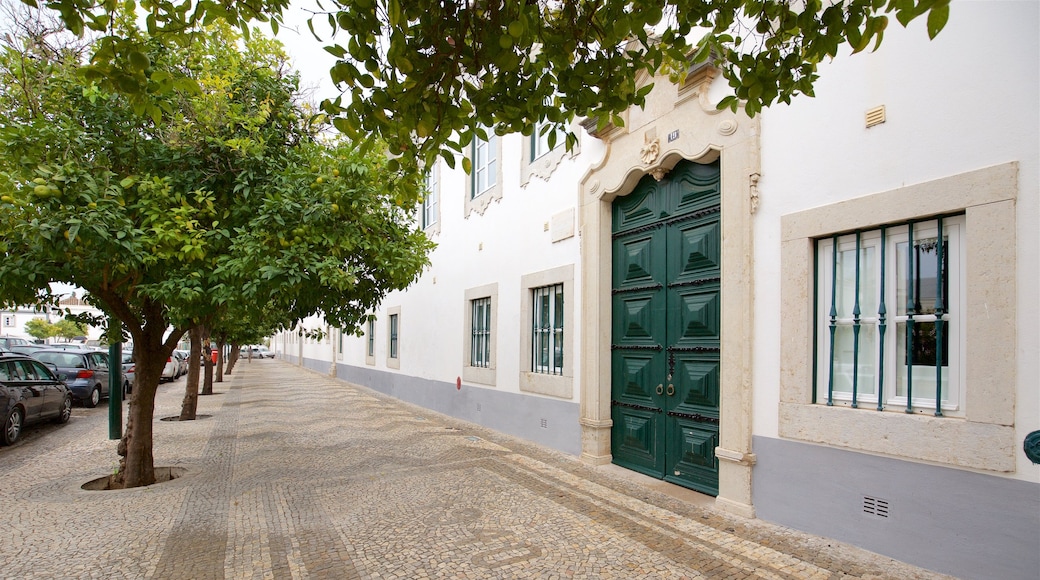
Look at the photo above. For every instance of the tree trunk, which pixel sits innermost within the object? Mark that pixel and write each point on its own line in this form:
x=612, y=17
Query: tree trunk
x=220, y=362
x=207, y=382
x=233, y=357
x=136, y=464
x=190, y=404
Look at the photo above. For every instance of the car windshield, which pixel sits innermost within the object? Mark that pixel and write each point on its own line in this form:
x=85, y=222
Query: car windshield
x=62, y=359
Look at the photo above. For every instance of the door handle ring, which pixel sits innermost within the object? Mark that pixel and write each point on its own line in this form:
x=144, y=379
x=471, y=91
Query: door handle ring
x=671, y=390
x=660, y=389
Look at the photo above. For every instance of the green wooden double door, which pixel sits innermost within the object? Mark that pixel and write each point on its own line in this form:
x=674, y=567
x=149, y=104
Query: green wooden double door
x=665, y=343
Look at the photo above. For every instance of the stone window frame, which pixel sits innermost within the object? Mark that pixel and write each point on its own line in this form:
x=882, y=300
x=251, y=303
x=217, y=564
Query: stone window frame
x=985, y=437
x=561, y=386
x=370, y=341
x=394, y=313
x=544, y=165
x=482, y=375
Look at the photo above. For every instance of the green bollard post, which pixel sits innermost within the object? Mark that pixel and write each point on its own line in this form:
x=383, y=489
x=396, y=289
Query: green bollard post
x=115, y=378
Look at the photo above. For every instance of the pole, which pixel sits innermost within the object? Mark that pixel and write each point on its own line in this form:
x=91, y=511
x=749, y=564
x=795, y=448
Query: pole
x=115, y=378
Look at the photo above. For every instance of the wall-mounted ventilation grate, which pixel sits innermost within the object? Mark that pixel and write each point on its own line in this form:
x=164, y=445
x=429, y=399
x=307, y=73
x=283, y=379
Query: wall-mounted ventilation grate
x=875, y=507
x=875, y=116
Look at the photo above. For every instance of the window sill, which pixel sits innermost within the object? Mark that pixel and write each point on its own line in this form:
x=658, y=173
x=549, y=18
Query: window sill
x=544, y=384
x=946, y=440
x=481, y=375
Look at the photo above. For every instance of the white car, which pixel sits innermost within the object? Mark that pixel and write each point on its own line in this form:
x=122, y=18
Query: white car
x=172, y=369
x=257, y=352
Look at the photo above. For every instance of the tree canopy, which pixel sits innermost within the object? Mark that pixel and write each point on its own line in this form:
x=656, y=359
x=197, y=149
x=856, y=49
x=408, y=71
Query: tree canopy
x=227, y=195
x=426, y=77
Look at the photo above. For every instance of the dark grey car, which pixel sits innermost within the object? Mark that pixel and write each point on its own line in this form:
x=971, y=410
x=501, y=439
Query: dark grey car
x=29, y=393
x=84, y=371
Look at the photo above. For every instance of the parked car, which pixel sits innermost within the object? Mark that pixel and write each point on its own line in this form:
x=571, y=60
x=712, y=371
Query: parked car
x=129, y=372
x=182, y=361
x=29, y=349
x=171, y=371
x=29, y=393
x=84, y=371
x=67, y=346
x=6, y=342
x=256, y=351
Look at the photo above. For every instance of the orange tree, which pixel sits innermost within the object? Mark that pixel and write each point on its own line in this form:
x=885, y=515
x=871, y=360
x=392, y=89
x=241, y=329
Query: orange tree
x=221, y=193
x=426, y=77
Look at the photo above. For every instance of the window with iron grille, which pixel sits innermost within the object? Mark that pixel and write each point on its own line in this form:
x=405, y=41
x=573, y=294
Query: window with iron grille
x=547, y=330
x=480, y=344
x=890, y=317
x=393, y=335
x=371, y=338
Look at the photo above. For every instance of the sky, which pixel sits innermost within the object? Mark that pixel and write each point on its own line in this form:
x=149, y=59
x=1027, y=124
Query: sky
x=308, y=56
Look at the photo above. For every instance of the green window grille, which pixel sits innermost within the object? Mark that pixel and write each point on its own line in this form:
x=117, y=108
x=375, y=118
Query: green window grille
x=547, y=330
x=371, y=338
x=907, y=276
x=480, y=341
x=393, y=335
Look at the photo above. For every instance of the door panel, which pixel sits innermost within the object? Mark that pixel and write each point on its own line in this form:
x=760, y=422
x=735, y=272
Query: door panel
x=693, y=462
x=697, y=384
x=666, y=327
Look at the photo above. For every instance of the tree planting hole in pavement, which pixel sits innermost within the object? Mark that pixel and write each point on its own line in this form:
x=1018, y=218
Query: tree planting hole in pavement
x=162, y=475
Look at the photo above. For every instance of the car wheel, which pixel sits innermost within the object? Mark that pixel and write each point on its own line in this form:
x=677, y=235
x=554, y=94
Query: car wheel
x=66, y=410
x=95, y=397
x=12, y=427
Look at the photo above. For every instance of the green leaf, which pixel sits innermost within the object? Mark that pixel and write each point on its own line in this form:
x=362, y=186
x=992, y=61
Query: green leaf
x=336, y=50
x=139, y=61
x=937, y=19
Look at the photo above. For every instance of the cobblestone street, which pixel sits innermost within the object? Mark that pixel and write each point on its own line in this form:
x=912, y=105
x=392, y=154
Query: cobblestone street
x=291, y=474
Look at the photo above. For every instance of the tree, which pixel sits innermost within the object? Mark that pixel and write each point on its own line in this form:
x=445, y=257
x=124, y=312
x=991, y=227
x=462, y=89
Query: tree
x=426, y=77
x=68, y=329
x=189, y=405
x=39, y=328
x=224, y=195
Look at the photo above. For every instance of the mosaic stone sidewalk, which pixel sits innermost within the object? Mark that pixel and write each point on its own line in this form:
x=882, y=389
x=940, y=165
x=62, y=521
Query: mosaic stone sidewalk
x=296, y=475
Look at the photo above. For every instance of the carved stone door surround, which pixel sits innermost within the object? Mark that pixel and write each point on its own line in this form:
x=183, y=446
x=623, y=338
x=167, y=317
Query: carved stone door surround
x=678, y=122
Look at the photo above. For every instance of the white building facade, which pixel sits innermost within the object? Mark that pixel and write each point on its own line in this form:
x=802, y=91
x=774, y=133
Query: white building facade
x=825, y=316
x=12, y=321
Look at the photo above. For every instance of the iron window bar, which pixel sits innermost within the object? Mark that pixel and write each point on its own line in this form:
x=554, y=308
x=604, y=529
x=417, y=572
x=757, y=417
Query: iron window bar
x=480, y=343
x=547, y=330
x=882, y=326
x=913, y=308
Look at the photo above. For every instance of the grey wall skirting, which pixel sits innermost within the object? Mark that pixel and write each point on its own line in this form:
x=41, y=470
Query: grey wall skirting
x=549, y=422
x=957, y=522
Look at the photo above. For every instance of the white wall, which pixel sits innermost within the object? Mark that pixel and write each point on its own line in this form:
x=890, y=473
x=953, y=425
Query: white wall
x=967, y=100
x=508, y=241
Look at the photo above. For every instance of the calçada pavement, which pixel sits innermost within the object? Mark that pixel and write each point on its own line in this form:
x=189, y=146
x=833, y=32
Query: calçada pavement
x=292, y=474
